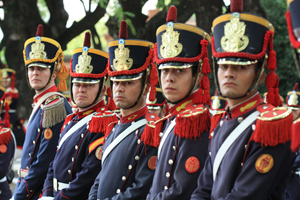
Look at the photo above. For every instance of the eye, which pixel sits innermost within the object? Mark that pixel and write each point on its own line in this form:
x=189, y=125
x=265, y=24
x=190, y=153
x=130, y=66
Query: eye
x=180, y=70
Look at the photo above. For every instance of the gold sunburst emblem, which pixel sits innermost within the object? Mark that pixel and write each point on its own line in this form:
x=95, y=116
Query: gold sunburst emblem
x=234, y=39
x=170, y=42
x=122, y=60
x=37, y=49
x=84, y=62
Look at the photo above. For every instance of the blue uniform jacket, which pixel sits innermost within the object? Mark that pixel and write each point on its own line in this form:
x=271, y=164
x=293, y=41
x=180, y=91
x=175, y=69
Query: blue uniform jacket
x=77, y=161
x=249, y=169
x=7, y=150
x=38, y=151
x=128, y=170
x=180, y=161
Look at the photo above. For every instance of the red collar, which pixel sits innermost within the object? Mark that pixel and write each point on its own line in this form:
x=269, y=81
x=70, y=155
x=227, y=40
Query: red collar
x=246, y=106
x=99, y=107
x=175, y=109
x=135, y=115
x=38, y=96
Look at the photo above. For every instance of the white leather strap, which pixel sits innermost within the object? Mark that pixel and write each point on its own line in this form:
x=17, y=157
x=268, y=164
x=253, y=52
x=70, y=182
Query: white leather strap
x=122, y=136
x=41, y=100
x=3, y=179
x=230, y=140
x=163, y=139
x=79, y=124
x=57, y=186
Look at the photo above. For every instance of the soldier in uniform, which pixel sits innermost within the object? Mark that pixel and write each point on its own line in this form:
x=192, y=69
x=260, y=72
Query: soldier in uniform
x=78, y=159
x=8, y=82
x=293, y=101
x=181, y=55
x=159, y=106
x=7, y=150
x=249, y=156
x=129, y=153
x=43, y=62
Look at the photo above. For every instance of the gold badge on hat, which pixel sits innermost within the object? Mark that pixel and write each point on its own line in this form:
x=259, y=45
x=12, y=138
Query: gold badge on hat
x=84, y=62
x=264, y=163
x=37, y=49
x=293, y=99
x=122, y=60
x=234, y=39
x=170, y=42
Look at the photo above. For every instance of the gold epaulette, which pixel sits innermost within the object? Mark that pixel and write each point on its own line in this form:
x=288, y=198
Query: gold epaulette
x=54, y=111
x=193, y=121
x=273, y=125
x=101, y=120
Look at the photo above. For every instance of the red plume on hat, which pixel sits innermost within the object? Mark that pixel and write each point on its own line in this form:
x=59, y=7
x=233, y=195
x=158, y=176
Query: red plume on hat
x=172, y=14
x=123, y=33
x=236, y=6
x=40, y=31
x=87, y=40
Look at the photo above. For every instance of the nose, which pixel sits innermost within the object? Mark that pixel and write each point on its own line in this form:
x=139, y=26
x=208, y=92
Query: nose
x=82, y=89
x=230, y=72
x=170, y=76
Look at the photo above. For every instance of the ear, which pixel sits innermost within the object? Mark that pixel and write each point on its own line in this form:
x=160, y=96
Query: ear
x=147, y=88
x=103, y=91
x=262, y=78
x=54, y=75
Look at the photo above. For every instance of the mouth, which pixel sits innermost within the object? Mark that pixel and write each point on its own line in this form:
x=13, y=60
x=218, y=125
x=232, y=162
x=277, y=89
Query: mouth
x=35, y=80
x=119, y=97
x=170, y=89
x=229, y=84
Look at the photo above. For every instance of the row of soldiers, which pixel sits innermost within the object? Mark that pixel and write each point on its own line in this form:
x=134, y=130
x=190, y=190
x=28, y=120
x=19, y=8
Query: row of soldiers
x=243, y=152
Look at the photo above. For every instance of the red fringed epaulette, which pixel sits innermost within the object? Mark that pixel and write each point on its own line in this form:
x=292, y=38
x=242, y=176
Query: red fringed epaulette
x=101, y=120
x=273, y=125
x=5, y=136
x=215, y=120
x=295, y=143
x=13, y=93
x=192, y=122
x=68, y=118
x=149, y=136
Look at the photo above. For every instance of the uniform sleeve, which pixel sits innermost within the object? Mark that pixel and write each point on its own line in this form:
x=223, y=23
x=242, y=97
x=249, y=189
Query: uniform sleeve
x=38, y=169
x=205, y=182
x=184, y=181
x=48, y=184
x=94, y=189
x=6, y=157
x=84, y=180
x=143, y=178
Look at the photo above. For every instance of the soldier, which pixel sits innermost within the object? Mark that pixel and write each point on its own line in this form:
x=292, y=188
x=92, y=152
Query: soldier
x=7, y=150
x=43, y=62
x=181, y=53
x=249, y=156
x=293, y=101
x=293, y=26
x=8, y=82
x=128, y=160
x=78, y=159
x=159, y=106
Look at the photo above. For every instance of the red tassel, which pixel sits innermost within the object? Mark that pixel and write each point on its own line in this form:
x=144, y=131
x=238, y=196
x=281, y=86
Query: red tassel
x=236, y=6
x=87, y=40
x=153, y=79
x=214, y=122
x=6, y=116
x=295, y=143
x=111, y=104
x=205, y=66
x=172, y=14
x=99, y=123
x=272, y=60
x=192, y=126
x=5, y=137
x=39, y=31
x=198, y=97
x=272, y=133
x=13, y=81
x=149, y=136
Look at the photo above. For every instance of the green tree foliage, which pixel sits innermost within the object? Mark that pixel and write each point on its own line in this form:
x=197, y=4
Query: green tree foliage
x=286, y=69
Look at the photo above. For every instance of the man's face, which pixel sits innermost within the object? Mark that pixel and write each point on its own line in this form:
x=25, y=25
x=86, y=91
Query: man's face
x=126, y=93
x=6, y=83
x=235, y=80
x=84, y=94
x=176, y=83
x=296, y=114
x=38, y=77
